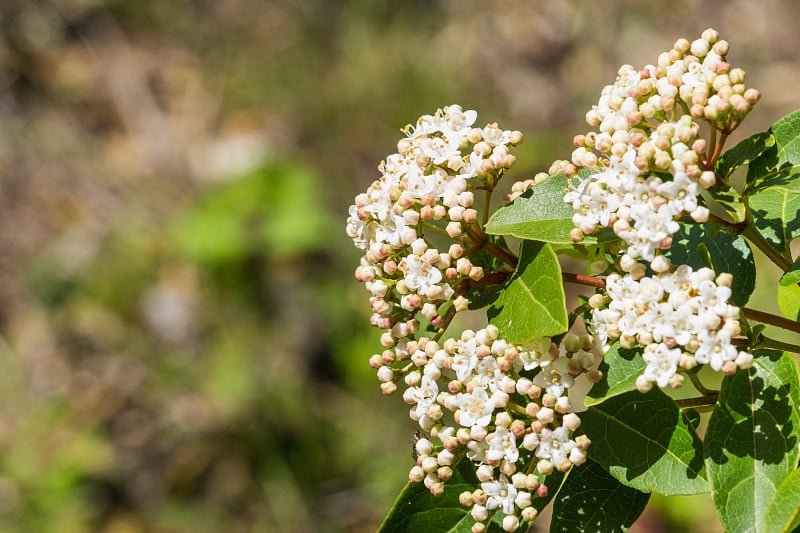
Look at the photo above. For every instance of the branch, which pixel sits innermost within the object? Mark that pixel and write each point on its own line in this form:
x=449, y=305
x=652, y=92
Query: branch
x=705, y=400
x=583, y=279
x=779, y=345
x=773, y=320
x=735, y=228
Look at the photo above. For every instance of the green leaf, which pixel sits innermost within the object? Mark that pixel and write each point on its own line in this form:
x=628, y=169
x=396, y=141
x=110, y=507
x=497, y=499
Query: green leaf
x=743, y=153
x=752, y=437
x=775, y=205
x=787, y=138
x=783, y=510
x=791, y=276
x=729, y=253
x=789, y=300
x=645, y=442
x=730, y=200
x=532, y=302
x=540, y=214
x=416, y=509
x=592, y=500
x=773, y=183
x=620, y=368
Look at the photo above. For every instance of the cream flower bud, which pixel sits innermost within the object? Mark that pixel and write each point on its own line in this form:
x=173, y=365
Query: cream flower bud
x=699, y=47
x=479, y=513
x=416, y=474
x=510, y=522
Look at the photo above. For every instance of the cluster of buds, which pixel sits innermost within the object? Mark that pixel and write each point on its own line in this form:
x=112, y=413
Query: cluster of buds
x=682, y=319
x=426, y=188
x=646, y=162
x=478, y=397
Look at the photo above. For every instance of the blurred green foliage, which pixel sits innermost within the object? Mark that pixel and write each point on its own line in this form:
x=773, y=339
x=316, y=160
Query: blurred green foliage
x=183, y=347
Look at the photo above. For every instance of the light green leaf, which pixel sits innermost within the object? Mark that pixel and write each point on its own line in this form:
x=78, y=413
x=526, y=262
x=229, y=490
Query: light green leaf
x=791, y=276
x=752, y=438
x=729, y=253
x=532, y=302
x=783, y=510
x=645, y=442
x=540, y=214
x=592, y=500
x=620, y=368
x=416, y=509
x=743, y=153
x=787, y=138
x=789, y=301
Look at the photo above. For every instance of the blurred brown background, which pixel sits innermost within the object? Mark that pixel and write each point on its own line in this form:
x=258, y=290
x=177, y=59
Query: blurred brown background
x=182, y=346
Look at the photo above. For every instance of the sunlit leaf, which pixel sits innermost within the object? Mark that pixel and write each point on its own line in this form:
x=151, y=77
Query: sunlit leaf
x=752, y=438
x=789, y=300
x=540, y=214
x=645, y=442
x=783, y=512
x=532, y=302
x=773, y=184
x=620, y=368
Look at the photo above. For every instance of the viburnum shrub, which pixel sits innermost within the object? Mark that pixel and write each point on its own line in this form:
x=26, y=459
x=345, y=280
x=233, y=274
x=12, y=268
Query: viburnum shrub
x=597, y=405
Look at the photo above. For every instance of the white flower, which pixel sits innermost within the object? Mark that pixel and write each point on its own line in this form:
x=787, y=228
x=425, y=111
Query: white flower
x=357, y=229
x=418, y=183
x=555, y=378
x=488, y=374
x=501, y=495
x=502, y=446
x=465, y=359
x=475, y=409
x=424, y=395
x=554, y=445
x=440, y=149
x=456, y=121
x=534, y=354
x=419, y=275
x=715, y=348
x=495, y=136
x=662, y=363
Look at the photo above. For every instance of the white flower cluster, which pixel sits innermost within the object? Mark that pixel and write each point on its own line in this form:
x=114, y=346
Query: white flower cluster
x=426, y=188
x=682, y=319
x=469, y=394
x=647, y=163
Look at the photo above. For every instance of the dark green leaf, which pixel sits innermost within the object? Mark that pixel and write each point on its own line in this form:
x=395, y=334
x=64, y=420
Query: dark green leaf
x=592, y=500
x=743, y=153
x=532, y=302
x=752, y=438
x=783, y=511
x=540, y=214
x=729, y=253
x=620, y=368
x=417, y=510
x=645, y=442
